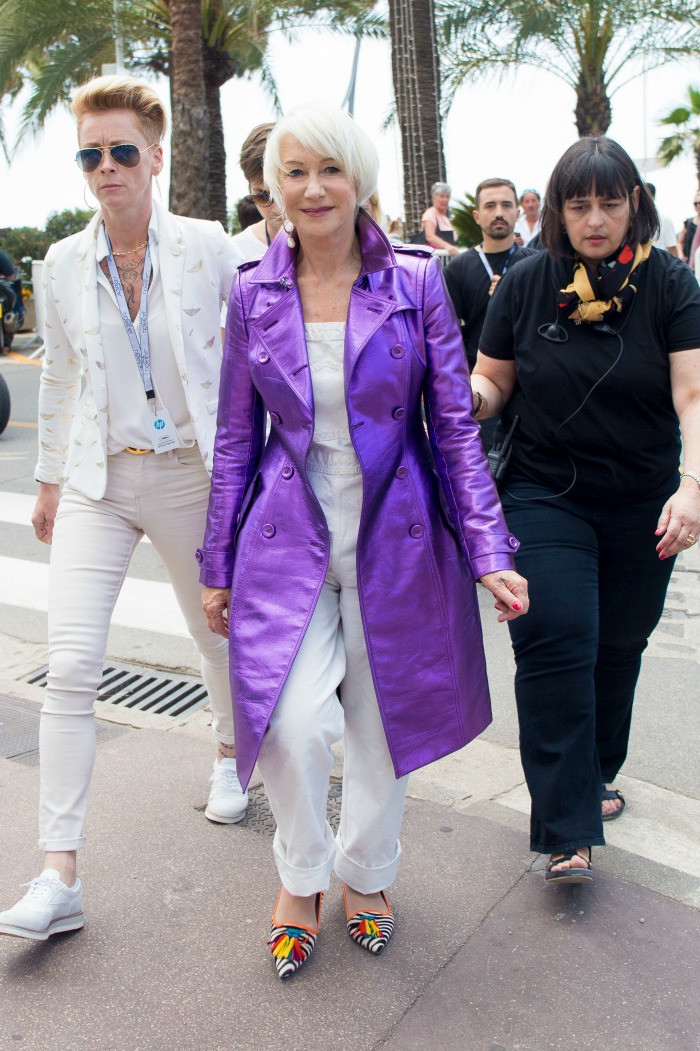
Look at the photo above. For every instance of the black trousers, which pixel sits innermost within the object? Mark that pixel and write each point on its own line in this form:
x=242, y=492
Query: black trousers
x=597, y=590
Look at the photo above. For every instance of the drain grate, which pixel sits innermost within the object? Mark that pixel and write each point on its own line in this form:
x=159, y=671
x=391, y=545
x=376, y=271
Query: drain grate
x=258, y=816
x=127, y=686
x=19, y=730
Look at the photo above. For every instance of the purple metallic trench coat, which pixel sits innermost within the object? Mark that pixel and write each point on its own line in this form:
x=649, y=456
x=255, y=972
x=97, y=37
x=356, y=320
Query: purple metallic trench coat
x=431, y=521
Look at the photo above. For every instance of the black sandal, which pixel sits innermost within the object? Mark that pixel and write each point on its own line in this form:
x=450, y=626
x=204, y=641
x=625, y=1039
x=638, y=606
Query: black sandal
x=570, y=875
x=612, y=793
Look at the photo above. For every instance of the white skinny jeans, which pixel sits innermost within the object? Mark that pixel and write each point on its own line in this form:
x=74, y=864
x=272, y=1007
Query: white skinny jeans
x=296, y=757
x=164, y=497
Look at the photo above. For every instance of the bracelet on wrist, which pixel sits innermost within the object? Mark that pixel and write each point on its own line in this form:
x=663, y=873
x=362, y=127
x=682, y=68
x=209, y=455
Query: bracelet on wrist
x=481, y=407
x=690, y=474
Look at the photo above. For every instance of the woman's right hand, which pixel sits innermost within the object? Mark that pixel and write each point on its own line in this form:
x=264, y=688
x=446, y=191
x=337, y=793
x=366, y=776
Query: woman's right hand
x=45, y=509
x=216, y=603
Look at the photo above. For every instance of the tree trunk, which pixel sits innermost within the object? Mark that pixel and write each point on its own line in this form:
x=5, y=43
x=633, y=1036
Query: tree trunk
x=593, y=111
x=415, y=68
x=189, y=171
x=697, y=164
x=218, y=68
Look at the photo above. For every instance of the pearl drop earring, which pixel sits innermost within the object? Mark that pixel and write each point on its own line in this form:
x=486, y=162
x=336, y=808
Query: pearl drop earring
x=288, y=227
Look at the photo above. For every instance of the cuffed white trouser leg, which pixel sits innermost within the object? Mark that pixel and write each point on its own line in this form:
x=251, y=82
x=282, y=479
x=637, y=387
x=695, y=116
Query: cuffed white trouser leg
x=93, y=541
x=296, y=757
x=368, y=851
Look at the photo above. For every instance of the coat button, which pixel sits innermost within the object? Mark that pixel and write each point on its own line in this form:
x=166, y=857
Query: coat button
x=275, y=418
x=263, y=357
x=512, y=542
x=401, y=472
x=268, y=531
x=397, y=351
x=287, y=471
x=399, y=413
x=416, y=531
x=199, y=557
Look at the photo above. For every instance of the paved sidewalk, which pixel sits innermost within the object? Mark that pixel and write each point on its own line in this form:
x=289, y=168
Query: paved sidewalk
x=486, y=958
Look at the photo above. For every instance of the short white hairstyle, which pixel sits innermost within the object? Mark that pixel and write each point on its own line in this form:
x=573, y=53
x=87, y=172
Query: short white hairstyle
x=329, y=132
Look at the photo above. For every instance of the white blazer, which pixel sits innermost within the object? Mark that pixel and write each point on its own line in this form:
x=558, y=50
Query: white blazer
x=197, y=264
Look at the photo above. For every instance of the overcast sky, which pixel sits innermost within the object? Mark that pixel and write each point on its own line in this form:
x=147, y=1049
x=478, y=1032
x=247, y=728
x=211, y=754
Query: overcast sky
x=516, y=128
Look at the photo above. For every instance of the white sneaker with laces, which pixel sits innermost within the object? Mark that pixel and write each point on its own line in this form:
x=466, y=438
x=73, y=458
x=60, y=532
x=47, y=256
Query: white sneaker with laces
x=227, y=800
x=48, y=907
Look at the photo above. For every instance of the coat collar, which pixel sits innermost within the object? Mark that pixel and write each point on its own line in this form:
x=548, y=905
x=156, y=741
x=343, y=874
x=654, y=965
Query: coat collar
x=281, y=326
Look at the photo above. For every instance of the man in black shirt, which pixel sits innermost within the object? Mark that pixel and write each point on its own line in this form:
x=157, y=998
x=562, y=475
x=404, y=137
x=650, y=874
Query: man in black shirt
x=472, y=277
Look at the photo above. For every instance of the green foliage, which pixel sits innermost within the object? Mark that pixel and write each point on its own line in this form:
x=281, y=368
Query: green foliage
x=685, y=120
x=69, y=221
x=21, y=241
x=462, y=218
x=595, y=46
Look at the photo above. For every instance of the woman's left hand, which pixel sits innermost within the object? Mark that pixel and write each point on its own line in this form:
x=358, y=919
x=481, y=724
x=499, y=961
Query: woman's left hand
x=679, y=524
x=510, y=591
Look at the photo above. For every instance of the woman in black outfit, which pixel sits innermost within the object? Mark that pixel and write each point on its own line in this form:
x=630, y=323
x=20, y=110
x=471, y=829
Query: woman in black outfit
x=594, y=344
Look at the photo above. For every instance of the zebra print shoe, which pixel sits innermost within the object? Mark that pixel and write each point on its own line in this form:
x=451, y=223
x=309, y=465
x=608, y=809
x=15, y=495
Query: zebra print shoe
x=291, y=946
x=371, y=930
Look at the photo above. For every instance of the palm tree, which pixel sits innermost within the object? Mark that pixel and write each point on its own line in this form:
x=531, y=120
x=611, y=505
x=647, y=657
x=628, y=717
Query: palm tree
x=190, y=138
x=594, y=46
x=686, y=138
x=415, y=68
x=54, y=45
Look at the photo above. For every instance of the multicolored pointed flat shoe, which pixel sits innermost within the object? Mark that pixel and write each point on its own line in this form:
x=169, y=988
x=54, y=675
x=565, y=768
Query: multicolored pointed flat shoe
x=371, y=930
x=291, y=945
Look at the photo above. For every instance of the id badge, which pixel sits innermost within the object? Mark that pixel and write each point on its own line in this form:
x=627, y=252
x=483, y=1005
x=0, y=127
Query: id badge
x=161, y=431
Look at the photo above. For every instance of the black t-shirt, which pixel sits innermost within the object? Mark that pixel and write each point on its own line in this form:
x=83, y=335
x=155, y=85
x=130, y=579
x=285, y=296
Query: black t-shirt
x=624, y=442
x=468, y=283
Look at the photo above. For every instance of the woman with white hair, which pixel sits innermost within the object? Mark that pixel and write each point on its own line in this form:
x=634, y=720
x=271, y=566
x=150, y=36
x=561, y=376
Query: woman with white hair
x=341, y=553
x=439, y=231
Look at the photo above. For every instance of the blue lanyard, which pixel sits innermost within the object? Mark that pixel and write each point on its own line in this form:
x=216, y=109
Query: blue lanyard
x=487, y=266
x=140, y=346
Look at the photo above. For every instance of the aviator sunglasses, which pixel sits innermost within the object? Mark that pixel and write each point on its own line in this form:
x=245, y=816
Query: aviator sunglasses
x=260, y=197
x=125, y=154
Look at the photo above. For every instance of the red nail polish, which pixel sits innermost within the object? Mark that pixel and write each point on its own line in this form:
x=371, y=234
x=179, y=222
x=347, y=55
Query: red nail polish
x=516, y=605
x=662, y=557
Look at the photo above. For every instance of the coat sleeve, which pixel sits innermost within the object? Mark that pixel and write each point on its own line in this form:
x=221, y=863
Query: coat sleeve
x=59, y=386
x=487, y=544
x=240, y=433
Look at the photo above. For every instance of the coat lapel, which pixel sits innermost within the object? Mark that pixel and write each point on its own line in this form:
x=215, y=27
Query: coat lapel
x=171, y=257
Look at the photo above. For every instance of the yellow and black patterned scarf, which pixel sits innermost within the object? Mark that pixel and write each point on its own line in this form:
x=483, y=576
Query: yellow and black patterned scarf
x=596, y=295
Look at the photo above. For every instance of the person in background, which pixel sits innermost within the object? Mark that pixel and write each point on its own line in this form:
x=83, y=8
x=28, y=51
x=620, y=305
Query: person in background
x=690, y=228
x=247, y=213
x=594, y=345
x=253, y=241
x=439, y=231
x=472, y=278
x=667, y=235
x=127, y=404
x=528, y=225
x=328, y=560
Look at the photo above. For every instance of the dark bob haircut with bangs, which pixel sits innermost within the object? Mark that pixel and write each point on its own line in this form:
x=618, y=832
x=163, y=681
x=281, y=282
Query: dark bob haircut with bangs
x=600, y=166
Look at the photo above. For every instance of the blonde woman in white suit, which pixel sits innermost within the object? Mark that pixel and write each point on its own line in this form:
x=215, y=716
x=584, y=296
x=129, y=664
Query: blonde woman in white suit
x=133, y=307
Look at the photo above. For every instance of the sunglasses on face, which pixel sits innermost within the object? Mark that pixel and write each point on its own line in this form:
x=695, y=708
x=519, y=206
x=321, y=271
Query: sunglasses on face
x=697, y=204
x=125, y=154
x=261, y=197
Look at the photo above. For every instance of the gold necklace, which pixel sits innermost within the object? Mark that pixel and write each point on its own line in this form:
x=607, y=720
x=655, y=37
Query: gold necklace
x=131, y=252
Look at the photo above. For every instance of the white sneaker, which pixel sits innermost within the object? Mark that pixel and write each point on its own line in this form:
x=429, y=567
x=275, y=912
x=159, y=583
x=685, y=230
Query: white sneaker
x=227, y=800
x=49, y=906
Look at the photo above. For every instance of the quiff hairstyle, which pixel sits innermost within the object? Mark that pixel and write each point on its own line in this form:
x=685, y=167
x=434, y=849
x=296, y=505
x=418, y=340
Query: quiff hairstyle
x=120, y=92
x=253, y=152
x=328, y=132
x=488, y=184
x=595, y=165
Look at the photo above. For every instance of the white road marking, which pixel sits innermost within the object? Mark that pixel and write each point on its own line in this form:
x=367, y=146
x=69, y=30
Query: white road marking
x=16, y=509
x=143, y=605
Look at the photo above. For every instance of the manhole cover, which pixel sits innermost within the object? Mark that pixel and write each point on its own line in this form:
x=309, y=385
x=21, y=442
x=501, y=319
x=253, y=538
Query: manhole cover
x=259, y=817
x=127, y=686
